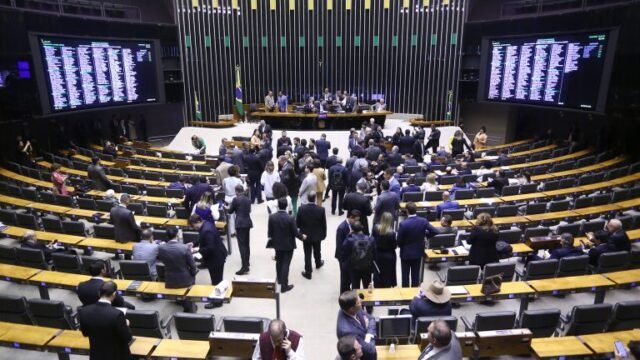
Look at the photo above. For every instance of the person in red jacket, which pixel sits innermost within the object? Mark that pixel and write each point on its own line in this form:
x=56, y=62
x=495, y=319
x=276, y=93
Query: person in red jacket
x=279, y=343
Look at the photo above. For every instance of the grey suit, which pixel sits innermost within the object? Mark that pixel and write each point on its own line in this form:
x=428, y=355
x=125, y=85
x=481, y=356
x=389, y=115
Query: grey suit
x=99, y=178
x=180, y=269
x=449, y=352
x=308, y=186
x=124, y=224
x=148, y=252
x=387, y=202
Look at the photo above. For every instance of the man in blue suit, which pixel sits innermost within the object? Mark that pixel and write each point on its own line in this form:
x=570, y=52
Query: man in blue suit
x=212, y=249
x=394, y=184
x=411, y=234
x=387, y=202
x=446, y=204
x=322, y=149
x=342, y=232
x=352, y=320
x=566, y=249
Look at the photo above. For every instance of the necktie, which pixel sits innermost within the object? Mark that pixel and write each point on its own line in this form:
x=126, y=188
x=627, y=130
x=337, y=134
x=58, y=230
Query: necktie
x=276, y=354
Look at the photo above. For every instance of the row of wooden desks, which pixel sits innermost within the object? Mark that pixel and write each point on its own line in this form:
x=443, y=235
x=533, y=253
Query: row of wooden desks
x=583, y=345
x=147, y=168
x=119, y=179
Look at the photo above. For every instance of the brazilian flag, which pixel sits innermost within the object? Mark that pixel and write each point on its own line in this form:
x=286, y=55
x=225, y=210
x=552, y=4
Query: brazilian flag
x=239, y=93
x=198, y=109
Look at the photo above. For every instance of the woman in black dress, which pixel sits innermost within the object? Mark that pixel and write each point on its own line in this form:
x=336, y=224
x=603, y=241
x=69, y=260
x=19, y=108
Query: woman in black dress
x=458, y=144
x=483, y=238
x=385, y=239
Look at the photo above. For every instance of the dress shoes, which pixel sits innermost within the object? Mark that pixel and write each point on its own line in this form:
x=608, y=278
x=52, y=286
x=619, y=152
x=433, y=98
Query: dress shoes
x=287, y=288
x=306, y=275
x=242, y=271
x=320, y=264
x=212, y=305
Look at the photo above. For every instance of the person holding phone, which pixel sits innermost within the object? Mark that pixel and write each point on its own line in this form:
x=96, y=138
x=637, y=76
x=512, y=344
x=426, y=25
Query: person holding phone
x=279, y=343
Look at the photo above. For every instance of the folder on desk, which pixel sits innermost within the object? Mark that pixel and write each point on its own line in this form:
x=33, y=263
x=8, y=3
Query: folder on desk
x=457, y=290
x=134, y=285
x=459, y=250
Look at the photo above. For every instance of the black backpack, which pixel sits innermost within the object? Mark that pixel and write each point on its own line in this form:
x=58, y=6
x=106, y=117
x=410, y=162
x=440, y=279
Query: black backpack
x=337, y=181
x=362, y=255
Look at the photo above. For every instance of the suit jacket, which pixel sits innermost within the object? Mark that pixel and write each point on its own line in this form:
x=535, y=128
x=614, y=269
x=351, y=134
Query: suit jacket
x=107, y=330
x=406, y=144
x=394, y=159
x=89, y=292
x=236, y=159
x=308, y=186
x=282, y=231
x=446, y=205
x=357, y=201
x=342, y=232
x=421, y=306
x=435, y=136
x=253, y=165
x=286, y=141
x=483, y=247
x=212, y=247
x=179, y=268
x=241, y=206
x=322, y=149
x=124, y=224
x=266, y=128
x=99, y=178
x=148, y=252
x=387, y=202
x=449, y=352
x=331, y=160
x=312, y=221
x=347, y=325
x=563, y=252
x=619, y=241
x=194, y=193
x=411, y=234
x=373, y=152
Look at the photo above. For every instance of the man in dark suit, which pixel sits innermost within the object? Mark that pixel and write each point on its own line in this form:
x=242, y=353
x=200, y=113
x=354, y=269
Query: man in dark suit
x=282, y=232
x=338, y=180
x=566, y=248
x=394, y=158
x=284, y=140
x=352, y=320
x=212, y=249
x=342, y=232
x=358, y=201
x=89, y=291
x=411, y=234
x=105, y=326
x=373, y=151
x=254, y=171
x=446, y=204
x=237, y=158
x=241, y=206
x=194, y=193
x=312, y=220
x=124, y=223
x=387, y=202
x=418, y=150
x=406, y=143
x=264, y=128
x=179, y=268
x=333, y=159
x=617, y=239
x=443, y=344
x=95, y=172
x=433, y=141
x=322, y=149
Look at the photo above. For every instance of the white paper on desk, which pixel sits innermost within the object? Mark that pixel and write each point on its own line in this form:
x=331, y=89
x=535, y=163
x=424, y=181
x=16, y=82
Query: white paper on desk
x=123, y=309
x=159, y=154
x=221, y=288
x=457, y=290
x=465, y=245
x=486, y=200
x=460, y=250
x=505, y=167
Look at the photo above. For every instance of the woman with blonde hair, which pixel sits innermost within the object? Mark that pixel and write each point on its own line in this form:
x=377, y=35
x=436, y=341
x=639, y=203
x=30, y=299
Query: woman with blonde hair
x=268, y=178
x=385, y=239
x=255, y=139
x=206, y=208
x=429, y=183
x=483, y=239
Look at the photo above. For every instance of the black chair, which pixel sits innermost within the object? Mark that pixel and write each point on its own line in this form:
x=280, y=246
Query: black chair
x=512, y=236
x=87, y=204
x=181, y=213
x=175, y=193
x=167, y=176
x=148, y=323
x=135, y=174
x=51, y=224
x=156, y=191
x=423, y=322
x=8, y=217
x=130, y=189
x=30, y=194
x=535, y=208
x=626, y=316
x=611, y=261
x=27, y=220
x=412, y=196
x=535, y=231
x=104, y=231
x=115, y=172
x=245, y=324
x=464, y=194
x=551, y=185
x=461, y=275
x=541, y=323
x=619, y=195
x=601, y=199
x=194, y=326
x=137, y=208
x=66, y=263
x=157, y=210
x=105, y=205
x=586, y=319
x=540, y=269
x=573, y=266
x=52, y=313
x=73, y=227
x=64, y=200
x=567, y=182
x=160, y=270
x=528, y=188
x=573, y=229
x=184, y=167
x=87, y=261
x=634, y=259
x=457, y=214
x=7, y=254
x=487, y=192
x=506, y=210
x=161, y=234
x=190, y=237
x=592, y=226
x=442, y=240
x=433, y=195
x=491, y=210
x=491, y=321
x=135, y=270
x=15, y=309
x=559, y=205
x=31, y=258
x=47, y=197
x=510, y=190
x=507, y=269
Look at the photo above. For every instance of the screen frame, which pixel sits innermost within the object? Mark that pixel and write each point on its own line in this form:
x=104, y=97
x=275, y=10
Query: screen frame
x=607, y=68
x=41, y=81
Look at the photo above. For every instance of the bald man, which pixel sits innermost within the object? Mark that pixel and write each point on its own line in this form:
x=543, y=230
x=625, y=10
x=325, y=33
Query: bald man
x=617, y=239
x=279, y=343
x=443, y=344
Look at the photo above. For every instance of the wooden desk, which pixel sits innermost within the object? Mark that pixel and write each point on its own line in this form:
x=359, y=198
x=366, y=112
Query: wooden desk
x=549, y=161
x=552, y=215
x=14, y=201
x=402, y=352
x=509, y=220
x=385, y=297
x=181, y=349
x=431, y=256
x=157, y=199
x=573, y=284
x=508, y=291
x=87, y=213
x=15, y=272
x=151, y=220
x=142, y=346
x=626, y=277
x=28, y=337
x=508, y=145
x=18, y=232
x=160, y=291
x=521, y=197
x=69, y=342
x=201, y=293
x=597, y=209
x=288, y=120
x=53, y=279
x=559, y=346
x=603, y=343
x=567, y=191
x=107, y=245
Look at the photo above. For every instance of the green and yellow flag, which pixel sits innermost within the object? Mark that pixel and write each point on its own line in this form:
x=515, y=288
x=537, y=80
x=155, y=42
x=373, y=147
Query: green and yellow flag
x=239, y=93
x=198, y=109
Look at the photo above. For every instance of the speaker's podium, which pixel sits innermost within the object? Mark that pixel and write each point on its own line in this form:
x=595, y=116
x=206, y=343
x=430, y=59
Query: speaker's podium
x=238, y=345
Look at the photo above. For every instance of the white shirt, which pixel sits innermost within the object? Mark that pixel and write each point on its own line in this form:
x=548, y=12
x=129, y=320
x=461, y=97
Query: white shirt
x=272, y=205
x=267, y=180
x=292, y=355
x=428, y=187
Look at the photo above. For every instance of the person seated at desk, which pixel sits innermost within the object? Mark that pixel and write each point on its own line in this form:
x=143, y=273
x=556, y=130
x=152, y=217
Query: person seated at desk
x=458, y=185
x=146, y=250
x=464, y=169
x=283, y=101
x=380, y=106
x=600, y=246
x=350, y=103
x=30, y=241
x=433, y=299
x=279, y=343
x=522, y=178
x=429, y=183
x=445, y=225
x=410, y=187
x=616, y=237
x=110, y=149
x=443, y=344
x=566, y=249
x=89, y=291
x=269, y=103
x=349, y=348
x=310, y=105
x=198, y=143
x=485, y=169
x=352, y=320
x=409, y=160
x=327, y=96
x=499, y=182
x=446, y=204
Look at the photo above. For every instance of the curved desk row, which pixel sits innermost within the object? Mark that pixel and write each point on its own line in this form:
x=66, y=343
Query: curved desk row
x=316, y=121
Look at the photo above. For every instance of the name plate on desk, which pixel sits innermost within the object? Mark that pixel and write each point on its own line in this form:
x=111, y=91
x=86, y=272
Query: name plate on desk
x=229, y=344
x=543, y=242
x=254, y=288
x=504, y=342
